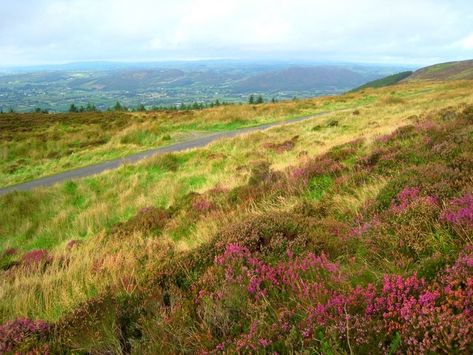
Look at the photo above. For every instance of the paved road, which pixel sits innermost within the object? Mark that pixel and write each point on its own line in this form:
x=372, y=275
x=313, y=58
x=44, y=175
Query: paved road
x=113, y=164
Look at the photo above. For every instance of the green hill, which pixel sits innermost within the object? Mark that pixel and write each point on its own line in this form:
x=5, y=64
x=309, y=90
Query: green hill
x=389, y=80
x=462, y=70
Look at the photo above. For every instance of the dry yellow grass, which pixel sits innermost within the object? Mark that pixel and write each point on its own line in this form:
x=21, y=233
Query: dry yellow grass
x=102, y=262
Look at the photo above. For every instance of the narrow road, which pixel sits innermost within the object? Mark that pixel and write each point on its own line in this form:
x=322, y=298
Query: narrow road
x=133, y=158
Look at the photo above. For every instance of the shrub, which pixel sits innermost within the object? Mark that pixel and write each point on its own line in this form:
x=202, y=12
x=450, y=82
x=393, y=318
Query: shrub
x=299, y=302
x=36, y=257
x=20, y=332
x=284, y=146
x=261, y=173
x=273, y=232
x=202, y=205
x=148, y=219
x=167, y=162
x=459, y=215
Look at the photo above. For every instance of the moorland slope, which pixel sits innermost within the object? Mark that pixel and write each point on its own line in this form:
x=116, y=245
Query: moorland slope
x=462, y=70
x=347, y=233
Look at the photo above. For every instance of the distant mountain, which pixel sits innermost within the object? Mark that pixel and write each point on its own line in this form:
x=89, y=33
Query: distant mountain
x=305, y=78
x=462, y=70
x=102, y=84
x=386, y=81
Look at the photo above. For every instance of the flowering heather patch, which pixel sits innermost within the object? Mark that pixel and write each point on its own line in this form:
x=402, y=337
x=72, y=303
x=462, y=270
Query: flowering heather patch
x=460, y=212
x=202, y=205
x=427, y=126
x=18, y=331
x=36, y=257
x=361, y=229
x=311, y=296
x=147, y=219
x=406, y=197
x=10, y=252
x=298, y=174
x=323, y=165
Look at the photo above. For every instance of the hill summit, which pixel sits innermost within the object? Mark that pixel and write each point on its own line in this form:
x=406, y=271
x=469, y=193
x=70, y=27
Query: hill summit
x=462, y=70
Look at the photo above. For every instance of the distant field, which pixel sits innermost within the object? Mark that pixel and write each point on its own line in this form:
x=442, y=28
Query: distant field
x=55, y=88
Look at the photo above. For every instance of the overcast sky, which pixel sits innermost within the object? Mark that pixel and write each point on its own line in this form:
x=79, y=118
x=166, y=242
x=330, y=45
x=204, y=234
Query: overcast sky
x=391, y=31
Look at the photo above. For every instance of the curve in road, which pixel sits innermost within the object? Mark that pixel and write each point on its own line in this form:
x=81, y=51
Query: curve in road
x=133, y=158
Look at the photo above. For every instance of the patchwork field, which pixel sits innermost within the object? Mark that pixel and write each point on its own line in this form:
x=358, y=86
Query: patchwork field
x=347, y=233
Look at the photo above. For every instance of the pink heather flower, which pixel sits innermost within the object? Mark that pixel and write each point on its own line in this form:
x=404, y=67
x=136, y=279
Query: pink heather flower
x=360, y=230
x=428, y=298
x=15, y=332
x=459, y=211
x=35, y=257
x=306, y=333
x=202, y=205
x=299, y=173
x=220, y=347
x=264, y=342
x=405, y=198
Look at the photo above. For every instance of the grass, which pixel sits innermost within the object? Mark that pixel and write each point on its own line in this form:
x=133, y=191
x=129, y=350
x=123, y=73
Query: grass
x=387, y=81
x=34, y=145
x=147, y=234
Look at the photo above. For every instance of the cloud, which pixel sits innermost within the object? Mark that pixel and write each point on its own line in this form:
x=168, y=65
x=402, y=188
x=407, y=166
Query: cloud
x=33, y=31
x=467, y=42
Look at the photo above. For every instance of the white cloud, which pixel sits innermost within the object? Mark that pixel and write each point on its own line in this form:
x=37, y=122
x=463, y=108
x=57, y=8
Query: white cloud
x=467, y=42
x=67, y=30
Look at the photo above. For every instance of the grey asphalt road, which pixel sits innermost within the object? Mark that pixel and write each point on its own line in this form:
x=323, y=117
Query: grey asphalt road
x=133, y=158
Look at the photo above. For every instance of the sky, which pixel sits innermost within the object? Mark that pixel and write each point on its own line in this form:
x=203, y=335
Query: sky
x=373, y=31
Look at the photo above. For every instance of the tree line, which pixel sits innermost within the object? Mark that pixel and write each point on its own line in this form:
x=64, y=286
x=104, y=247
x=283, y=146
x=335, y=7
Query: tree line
x=73, y=108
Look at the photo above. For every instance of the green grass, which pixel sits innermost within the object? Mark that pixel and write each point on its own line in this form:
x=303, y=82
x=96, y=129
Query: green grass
x=319, y=186
x=34, y=145
x=94, y=210
x=387, y=81
x=171, y=278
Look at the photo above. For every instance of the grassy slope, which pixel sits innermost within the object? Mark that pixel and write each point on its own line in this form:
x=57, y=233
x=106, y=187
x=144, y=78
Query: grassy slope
x=462, y=70
x=35, y=145
x=387, y=81
x=147, y=236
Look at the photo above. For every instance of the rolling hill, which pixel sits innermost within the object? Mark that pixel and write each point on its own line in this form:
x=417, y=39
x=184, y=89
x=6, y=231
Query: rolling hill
x=387, y=81
x=347, y=233
x=303, y=79
x=462, y=70
x=154, y=84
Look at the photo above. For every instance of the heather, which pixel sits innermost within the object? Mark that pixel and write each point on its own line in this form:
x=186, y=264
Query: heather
x=362, y=247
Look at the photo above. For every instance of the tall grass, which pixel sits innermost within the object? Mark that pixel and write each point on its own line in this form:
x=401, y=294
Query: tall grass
x=339, y=190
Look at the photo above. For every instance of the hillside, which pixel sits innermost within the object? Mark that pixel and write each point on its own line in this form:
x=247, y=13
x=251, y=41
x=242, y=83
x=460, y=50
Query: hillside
x=386, y=81
x=303, y=78
x=462, y=70
x=346, y=233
